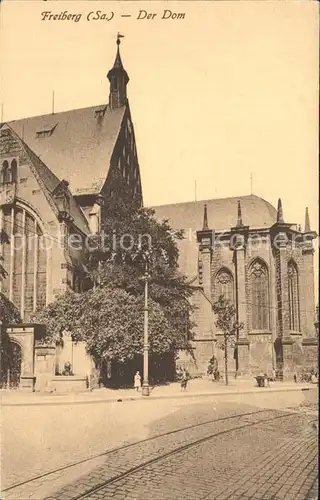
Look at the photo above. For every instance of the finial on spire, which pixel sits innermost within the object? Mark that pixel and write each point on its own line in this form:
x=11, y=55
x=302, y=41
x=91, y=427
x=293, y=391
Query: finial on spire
x=307, y=227
x=239, y=220
x=118, y=38
x=205, y=217
x=280, y=211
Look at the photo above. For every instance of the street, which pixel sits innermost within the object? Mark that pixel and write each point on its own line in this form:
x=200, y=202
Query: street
x=258, y=446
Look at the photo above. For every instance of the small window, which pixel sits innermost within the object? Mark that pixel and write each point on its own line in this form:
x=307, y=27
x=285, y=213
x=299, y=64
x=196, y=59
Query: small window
x=5, y=174
x=9, y=171
x=114, y=82
x=14, y=170
x=45, y=132
x=99, y=113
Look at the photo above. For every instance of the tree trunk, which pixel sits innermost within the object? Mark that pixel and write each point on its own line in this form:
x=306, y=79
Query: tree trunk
x=226, y=362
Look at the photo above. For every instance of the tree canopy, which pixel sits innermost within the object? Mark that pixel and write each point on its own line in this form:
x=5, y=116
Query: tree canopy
x=8, y=312
x=111, y=323
x=110, y=315
x=227, y=323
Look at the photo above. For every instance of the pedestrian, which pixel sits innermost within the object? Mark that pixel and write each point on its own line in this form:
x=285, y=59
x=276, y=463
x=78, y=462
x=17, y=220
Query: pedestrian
x=274, y=375
x=137, y=381
x=314, y=379
x=184, y=380
x=295, y=378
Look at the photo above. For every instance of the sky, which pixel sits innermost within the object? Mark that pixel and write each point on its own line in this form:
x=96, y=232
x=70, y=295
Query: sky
x=223, y=96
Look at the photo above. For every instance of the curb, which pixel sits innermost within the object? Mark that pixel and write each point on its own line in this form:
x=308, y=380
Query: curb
x=155, y=398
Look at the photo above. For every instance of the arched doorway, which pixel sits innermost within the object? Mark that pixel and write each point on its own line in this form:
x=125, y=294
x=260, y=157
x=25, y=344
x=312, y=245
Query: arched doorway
x=11, y=358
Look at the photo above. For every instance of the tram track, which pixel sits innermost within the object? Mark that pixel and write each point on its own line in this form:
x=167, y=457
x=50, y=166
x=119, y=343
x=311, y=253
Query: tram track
x=133, y=470
x=130, y=445
x=247, y=419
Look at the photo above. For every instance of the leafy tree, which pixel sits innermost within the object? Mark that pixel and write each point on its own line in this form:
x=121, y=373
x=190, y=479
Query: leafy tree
x=109, y=317
x=8, y=312
x=110, y=321
x=9, y=354
x=129, y=232
x=226, y=322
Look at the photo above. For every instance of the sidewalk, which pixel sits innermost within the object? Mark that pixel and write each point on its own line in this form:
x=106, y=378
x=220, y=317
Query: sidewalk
x=196, y=388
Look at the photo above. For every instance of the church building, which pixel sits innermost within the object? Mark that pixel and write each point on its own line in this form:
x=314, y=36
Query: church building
x=244, y=249
x=57, y=170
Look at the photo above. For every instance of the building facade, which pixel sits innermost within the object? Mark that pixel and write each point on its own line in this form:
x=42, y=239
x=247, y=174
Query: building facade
x=243, y=249
x=57, y=172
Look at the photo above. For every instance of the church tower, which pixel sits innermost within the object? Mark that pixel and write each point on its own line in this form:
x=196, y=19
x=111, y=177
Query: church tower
x=118, y=78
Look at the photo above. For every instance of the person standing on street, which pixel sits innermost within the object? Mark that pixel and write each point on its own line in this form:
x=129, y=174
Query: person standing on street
x=137, y=381
x=266, y=380
x=184, y=380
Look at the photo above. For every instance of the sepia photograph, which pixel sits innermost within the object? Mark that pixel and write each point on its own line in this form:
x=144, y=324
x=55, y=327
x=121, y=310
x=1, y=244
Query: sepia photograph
x=159, y=214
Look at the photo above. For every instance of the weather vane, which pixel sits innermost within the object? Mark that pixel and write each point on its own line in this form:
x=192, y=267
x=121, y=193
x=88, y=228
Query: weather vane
x=118, y=38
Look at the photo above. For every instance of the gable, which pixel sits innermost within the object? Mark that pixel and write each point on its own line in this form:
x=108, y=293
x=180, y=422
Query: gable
x=33, y=182
x=25, y=185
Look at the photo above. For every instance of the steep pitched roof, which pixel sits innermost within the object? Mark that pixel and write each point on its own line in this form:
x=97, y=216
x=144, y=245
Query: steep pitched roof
x=75, y=145
x=221, y=215
x=50, y=182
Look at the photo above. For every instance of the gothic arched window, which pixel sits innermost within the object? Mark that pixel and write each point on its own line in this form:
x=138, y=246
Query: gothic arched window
x=6, y=174
x=224, y=285
x=13, y=170
x=259, y=285
x=25, y=261
x=293, y=297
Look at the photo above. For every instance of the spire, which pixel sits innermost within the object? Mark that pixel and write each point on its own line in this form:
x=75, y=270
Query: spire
x=280, y=212
x=118, y=78
x=117, y=62
x=205, y=218
x=307, y=227
x=239, y=220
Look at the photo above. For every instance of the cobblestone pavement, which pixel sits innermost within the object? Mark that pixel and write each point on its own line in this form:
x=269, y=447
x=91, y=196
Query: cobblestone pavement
x=272, y=460
x=276, y=460
x=38, y=439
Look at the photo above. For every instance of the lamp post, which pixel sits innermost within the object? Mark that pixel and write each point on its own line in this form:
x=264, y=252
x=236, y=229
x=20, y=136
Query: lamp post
x=145, y=382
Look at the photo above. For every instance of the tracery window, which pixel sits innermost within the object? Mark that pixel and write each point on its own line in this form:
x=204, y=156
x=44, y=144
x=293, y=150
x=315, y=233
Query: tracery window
x=13, y=170
x=293, y=297
x=24, y=260
x=9, y=171
x=5, y=174
x=259, y=286
x=224, y=285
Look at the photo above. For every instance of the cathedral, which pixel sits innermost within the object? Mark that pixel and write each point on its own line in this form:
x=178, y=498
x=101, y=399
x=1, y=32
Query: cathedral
x=242, y=248
x=56, y=170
